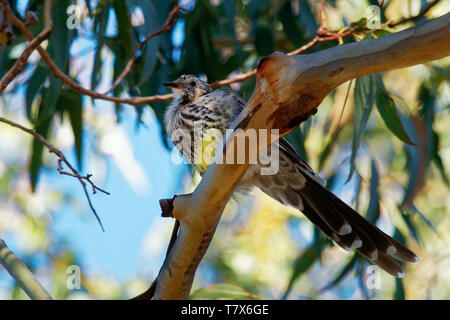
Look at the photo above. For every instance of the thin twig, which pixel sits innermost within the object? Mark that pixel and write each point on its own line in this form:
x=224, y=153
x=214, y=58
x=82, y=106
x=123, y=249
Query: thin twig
x=19, y=65
x=62, y=159
x=68, y=81
x=322, y=36
x=323, y=29
x=22, y=60
x=418, y=16
x=168, y=25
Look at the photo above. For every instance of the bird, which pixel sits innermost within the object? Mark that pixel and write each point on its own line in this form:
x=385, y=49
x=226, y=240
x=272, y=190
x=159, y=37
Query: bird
x=196, y=107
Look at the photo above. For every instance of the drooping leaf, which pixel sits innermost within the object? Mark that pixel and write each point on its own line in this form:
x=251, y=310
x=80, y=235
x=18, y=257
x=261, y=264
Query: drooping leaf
x=343, y=273
x=293, y=32
x=34, y=85
x=437, y=158
x=373, y=211
x=37, y=150
x=422, y=216
x=256, y=8
x=297, y=139
x=364, y=98
x=389, y=113
x=62, y=36
x=411, y=227
x=307, y=19
x=124, y=26
x=148, y=59
x=100, y=23
x=70, y=102
x=264, y=40
x=399, y=293
x=301, y=265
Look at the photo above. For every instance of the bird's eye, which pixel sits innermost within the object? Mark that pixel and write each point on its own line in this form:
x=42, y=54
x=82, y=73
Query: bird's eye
x=193, y=83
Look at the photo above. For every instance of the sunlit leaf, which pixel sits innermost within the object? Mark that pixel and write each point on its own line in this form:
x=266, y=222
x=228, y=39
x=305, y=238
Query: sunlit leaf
x=223, y=292
x=422, y=216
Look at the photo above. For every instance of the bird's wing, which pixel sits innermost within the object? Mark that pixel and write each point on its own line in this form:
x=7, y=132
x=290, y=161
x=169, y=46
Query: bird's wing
x=290, y=152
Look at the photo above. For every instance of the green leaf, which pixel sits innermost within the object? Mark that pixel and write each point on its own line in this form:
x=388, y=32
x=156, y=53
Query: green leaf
x=301, y=265
x=373, y=211
x=343, y=273
x=124, y=27
x=289, y=22
x=37, y=150
x=264, y=40
x=257, y=7
x=437, y=158
x=412, y=229
x=100, y=23
x=399, y=293
x=427, y=221
x=389, y=113
x=307, y=20
x=223, y=292
x=297, y=139
x=61, y=38
x=381, y=32
x=70, y=102
x=34, y=86
x=148, y=60
x=364, y=99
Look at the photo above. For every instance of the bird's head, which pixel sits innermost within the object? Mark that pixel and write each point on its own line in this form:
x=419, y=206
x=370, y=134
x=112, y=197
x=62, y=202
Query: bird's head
x=188, y=87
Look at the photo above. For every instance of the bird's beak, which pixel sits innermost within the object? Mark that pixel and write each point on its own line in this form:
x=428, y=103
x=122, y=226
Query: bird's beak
x=172, y=85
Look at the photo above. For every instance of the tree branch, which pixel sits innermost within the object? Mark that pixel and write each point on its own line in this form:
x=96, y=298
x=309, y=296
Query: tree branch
x=168, y=25
x=62, y=159
x=32, y=45
x=23, y=276
x=288, y=90
x=68, y=81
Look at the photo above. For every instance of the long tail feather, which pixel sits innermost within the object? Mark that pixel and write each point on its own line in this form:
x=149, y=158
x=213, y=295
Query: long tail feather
x=332, y=216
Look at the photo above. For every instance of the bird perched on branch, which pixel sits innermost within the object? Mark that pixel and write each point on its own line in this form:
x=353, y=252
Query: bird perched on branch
x=198, y=110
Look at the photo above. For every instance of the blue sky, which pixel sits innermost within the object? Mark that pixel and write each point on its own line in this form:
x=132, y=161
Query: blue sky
x=126, y=215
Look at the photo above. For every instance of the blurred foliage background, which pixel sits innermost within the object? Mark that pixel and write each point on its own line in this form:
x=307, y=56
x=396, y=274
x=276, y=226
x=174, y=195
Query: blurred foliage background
x=381, y=141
